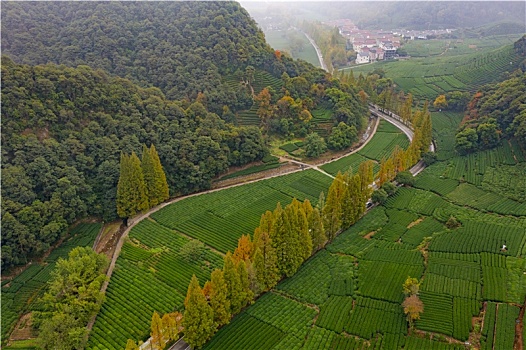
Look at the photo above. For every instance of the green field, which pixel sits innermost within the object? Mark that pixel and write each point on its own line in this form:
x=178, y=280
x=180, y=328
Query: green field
x=220, y=218
x=20, y=294
x=348, y=296
x=466, y=65
x=279, y=41
x=386, y=138
x=351, y=290
x=150, y=274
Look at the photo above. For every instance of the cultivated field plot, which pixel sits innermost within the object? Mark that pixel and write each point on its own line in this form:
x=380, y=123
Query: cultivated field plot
x=279, y=41
x=246, y=332
x=445, y=125
x=20, y=294
x=458, y=69
x=218, y=219
x=384, y=141
x=150, y=275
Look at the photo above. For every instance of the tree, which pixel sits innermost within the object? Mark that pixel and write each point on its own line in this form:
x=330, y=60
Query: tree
x=466, y=141
x=488, y=134
x=411, y=286
x=300, y=227
x=315, y=224
x=405, y=178
x=413, y=307
x=246, y=292
x=198, y=321
x=131, y=189
x=243, y=250
x=131, y=345
x=233, y=284
x=218, y=298
x=265, y=108
x=429, y=158
x=265, y=259
x=440, y=102
x=72, y=299
x=332, y=210
x=314, y=145
x=366, y=173
x=406, y=110
x=154, y=176
x=452, y=223
x=171, y=323
x=390, y=188
x=158, y=340
x=342, y=136
x=193, y=250
x=379, y=196
x=383, y=175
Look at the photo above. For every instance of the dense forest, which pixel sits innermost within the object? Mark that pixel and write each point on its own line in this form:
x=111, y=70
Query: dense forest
x=495, y=111
x=63, y=132
x=182, y=48
x=131, y=75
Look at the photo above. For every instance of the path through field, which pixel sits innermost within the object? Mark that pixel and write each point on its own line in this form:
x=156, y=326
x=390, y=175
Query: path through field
x=388, y=116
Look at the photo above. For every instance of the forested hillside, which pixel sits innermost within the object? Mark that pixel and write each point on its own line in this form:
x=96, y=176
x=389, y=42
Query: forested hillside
x=183, y=48
x=496, y=110
x=63, y=132
x=171, y=74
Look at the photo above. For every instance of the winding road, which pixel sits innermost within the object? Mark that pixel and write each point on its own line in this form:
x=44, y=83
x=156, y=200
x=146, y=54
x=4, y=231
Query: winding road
x=318, y=52
x=374, y=110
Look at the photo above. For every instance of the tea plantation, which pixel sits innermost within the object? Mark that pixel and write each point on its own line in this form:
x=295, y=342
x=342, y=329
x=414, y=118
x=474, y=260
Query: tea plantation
x=353, y=288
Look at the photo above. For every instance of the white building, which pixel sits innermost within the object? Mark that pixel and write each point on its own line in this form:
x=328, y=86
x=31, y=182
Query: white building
x=362, y=58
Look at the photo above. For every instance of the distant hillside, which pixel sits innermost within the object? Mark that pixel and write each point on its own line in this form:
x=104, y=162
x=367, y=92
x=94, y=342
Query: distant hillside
x=183, y=48
x=419, y=14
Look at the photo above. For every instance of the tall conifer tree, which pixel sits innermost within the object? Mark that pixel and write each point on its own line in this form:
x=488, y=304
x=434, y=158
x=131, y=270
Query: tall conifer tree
x=157, y=340
x=246, y=292
x=332, y=210
x=131, y=189
x=315, y=224
x=243, y=250
x=233, y=284
x=267, y=272
x=154, y=176
x=218, y=298
x=161, y=189
x=198, y=321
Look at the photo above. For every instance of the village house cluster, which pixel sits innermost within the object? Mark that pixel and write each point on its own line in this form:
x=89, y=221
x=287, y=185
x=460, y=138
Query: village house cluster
x=378, y=45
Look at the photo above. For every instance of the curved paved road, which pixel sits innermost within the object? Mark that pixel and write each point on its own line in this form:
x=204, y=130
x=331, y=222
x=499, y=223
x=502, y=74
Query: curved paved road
x=397, y=121
x=392, y=118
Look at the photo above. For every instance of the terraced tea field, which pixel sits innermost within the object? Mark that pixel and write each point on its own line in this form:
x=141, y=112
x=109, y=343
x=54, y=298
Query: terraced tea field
x=353, y=287
x=151, y=275
x=460, y=69
x=218, y=219
x=382, y=144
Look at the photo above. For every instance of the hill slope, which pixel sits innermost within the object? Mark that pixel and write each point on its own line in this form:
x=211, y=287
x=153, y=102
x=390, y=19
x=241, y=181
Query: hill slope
x=63, y=132
x=180, y=47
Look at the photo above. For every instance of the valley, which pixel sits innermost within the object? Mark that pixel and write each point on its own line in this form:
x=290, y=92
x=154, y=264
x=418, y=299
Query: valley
x=378, y=207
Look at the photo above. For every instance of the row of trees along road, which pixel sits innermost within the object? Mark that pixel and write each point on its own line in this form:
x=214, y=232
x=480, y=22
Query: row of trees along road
x=286, y=237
